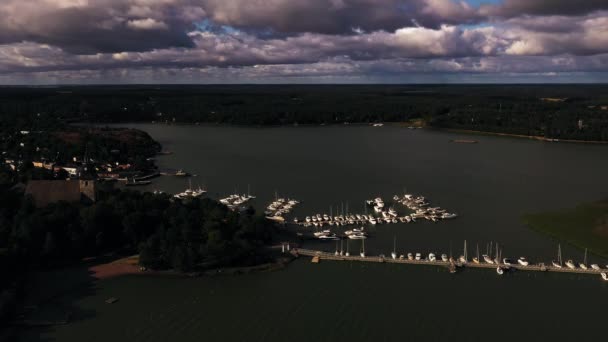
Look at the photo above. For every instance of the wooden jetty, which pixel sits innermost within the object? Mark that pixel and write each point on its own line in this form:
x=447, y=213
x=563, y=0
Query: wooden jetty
x=320, y=255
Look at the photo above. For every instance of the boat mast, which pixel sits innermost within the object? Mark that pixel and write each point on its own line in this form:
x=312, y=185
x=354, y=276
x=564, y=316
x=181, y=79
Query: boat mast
x=585, y=260
x=465, y=250
x=395, y=244
x=559, y=253
x=477, y=251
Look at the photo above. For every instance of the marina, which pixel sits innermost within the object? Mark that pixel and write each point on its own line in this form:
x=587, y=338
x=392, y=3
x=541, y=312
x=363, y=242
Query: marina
x=417, y=206
x=541, y=267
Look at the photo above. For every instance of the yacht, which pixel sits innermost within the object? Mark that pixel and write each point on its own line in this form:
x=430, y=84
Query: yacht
x=357, y=236
x=418, y=256
x=329, y=236
x=181, y=173
x=432, y=257
x=448, y=216
x=325, y=232
x=595, y=267
x=191, y=193
x=522, y=261
x=354, y=231
x=410, y=256
x=487, y=259
x=444, y=257
x=570, y=264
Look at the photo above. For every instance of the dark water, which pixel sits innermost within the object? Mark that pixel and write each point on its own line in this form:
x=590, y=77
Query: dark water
x=490, y=185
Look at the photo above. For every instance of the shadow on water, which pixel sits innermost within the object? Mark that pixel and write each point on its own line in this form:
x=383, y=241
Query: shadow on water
x=51, y=301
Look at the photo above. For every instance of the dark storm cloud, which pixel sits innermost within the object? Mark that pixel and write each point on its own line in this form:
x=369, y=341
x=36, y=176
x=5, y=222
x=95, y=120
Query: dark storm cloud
x=338, y=16
x=513, y=8
x=91, y=26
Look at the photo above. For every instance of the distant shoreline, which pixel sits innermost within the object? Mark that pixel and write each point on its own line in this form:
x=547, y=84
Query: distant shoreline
x=400, y=124
x=512, y=135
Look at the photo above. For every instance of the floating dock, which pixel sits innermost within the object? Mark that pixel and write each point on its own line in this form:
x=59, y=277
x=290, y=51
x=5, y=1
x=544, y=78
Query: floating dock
x=320, y=255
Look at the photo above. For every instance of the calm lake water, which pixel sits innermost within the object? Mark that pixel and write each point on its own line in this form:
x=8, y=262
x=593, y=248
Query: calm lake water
x=490, y=185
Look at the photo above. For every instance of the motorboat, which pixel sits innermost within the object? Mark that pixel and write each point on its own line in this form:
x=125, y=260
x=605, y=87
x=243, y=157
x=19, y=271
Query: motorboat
x=410, y=256
x=444, y=257
x=570, y=264
x=595, y=267
x=329, y=236
x=522, y=261
x=357, y=236
x=418, y=256
x=499, y=270
x=325, y=232
x=582, y=266
x=354, y=231
x=432, y=257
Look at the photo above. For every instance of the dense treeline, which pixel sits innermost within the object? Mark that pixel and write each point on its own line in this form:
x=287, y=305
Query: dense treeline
x=166, y=233
x=553, y=111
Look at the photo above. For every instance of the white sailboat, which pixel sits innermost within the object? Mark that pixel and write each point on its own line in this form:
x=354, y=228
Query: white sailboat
x=464, y=258
x=347, y=249
x=570, y=264
x=476, y=259
x=394, y=253
x=605, y=276
x=558, y=263
x=362, y=249
x=583, y=265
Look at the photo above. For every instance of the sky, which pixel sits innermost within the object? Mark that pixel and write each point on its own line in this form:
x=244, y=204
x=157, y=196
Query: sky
x=302, y=41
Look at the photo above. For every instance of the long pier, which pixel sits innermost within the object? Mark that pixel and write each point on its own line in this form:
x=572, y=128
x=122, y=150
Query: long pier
x=320, y=255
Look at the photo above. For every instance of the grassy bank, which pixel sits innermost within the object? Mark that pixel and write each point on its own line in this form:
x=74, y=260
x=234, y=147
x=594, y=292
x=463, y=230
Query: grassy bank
x=585, y=226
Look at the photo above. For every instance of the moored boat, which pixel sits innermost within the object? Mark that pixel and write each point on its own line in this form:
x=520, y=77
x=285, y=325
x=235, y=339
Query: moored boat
x=522, y=261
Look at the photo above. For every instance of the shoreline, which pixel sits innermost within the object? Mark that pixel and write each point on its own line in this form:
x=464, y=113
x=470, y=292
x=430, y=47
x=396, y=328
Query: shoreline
x=521, y=136
x=400, y=124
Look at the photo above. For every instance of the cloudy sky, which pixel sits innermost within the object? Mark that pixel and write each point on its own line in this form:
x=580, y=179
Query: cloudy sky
x=303, y=41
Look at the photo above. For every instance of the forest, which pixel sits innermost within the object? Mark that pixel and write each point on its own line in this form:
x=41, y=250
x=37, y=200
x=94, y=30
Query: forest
x=167, y=234
x=578, y=112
